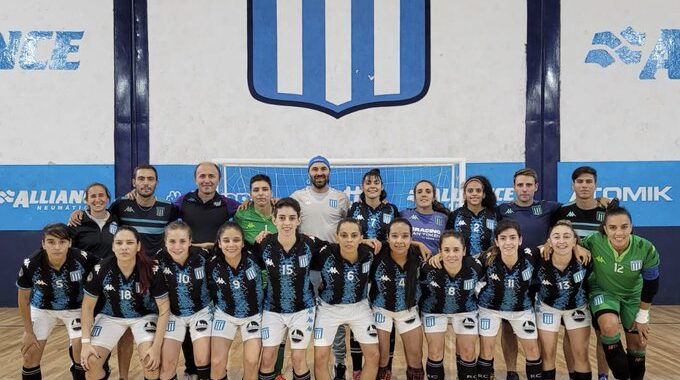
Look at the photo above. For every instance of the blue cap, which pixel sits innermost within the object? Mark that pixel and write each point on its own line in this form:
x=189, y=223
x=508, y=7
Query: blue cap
x=316, y=159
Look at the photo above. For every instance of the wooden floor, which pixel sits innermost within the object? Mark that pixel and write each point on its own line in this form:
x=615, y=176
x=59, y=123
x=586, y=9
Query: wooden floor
x=663, y=355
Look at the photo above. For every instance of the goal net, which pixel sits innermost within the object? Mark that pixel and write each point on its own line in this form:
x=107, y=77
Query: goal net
x=399, y=177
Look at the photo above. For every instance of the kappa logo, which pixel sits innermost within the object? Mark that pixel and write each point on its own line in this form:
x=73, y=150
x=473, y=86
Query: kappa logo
x=359, y=217
x=461, y=223
x=269, y=262
x=333, y=270
x=323, y=59
x=571, y=214
x=508, y=211
x=109, y=287
x=434, y=284
x=220, y=281
x=129, y=209
x=27, y=262
x=167, y=270
x=384, y=278
x=664, y=55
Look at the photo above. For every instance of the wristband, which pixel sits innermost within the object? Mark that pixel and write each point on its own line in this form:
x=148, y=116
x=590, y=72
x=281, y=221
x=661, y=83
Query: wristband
x=85, y=340
x=642, y=316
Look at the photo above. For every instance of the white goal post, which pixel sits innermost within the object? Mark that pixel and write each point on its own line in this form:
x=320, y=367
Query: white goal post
x=399, y=177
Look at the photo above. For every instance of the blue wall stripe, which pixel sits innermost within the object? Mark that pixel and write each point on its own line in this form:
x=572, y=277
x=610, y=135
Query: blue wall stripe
x=313, y=49
x=362, y=49
x=131, y=90
x=542, y=134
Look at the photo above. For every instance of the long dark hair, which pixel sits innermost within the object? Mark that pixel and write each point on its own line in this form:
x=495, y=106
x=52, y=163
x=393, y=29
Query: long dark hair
x=489, y=200
x=217, y=251
x=143, y=263
x=614, y=209
x=373, y=173
x=494, y=251
x=452, y=234
x=411, y=266
x=436, y=205
x=94, y=184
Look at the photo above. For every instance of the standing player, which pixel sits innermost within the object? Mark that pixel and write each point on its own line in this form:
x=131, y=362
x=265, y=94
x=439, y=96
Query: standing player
x=586, y=214
x=343, y=298
x=289, y=299
x=624, y=281
x=95, y=232
x=394, y=295
x=476, y=220
x=236, y=287
x=183, y=269
x=505, y=296
x=534, y=219
x=375, y=215
x=322, y=207
x=449, y=295
x=127, y=285
x=258, y=215
x=428, y=218
x=204, y=209
x=51, y=289
x=562, y=298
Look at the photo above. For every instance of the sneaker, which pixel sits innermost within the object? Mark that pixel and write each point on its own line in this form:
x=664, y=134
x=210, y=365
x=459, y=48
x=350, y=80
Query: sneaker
x=356, y=375
x=384, y=374
x=340, y=372
x=512, y=376
x=280, y=377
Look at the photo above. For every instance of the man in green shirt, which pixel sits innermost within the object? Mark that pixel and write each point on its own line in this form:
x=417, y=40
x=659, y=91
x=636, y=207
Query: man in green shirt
x=258, y=215
x=623, y=283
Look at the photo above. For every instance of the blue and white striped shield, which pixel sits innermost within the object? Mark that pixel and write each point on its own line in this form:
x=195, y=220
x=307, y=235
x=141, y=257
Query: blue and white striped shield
x=485, y=323
x=468, y=284
x=338, y=56
x=547, y=319
x=635, y=265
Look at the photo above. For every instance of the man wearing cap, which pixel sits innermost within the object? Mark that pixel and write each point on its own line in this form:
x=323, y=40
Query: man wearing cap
x=322, y=207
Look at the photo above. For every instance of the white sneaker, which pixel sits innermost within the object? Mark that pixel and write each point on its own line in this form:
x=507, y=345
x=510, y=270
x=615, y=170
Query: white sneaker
x=190, y=377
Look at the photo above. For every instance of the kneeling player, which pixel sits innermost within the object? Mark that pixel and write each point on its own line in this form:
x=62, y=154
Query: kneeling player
x=448, y=287
x=51, y=289
x=562, y=297
x=183, y=269
x=236, y=287
x=505, y=296
x=394, y=296
x=345, y=269
x=127, y=285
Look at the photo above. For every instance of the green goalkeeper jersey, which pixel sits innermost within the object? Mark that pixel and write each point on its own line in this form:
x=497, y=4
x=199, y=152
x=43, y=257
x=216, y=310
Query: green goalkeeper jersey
x=621, y=275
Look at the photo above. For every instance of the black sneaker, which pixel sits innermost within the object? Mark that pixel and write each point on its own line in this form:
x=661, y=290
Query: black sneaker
x=512, y=376
x=340, y=372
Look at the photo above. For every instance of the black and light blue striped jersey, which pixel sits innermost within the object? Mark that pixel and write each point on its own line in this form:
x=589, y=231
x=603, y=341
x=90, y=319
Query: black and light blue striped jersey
x=289, y=288
x=507, y=289
x=389, y=282
x=443, y=294
x=150, y=222
x=122, y=297
x=477, y=229
x=343, y=282
x=187, y=284
x=374, y=221
x=56, y=289
x=585, y=222
x=563, y=290
x=236, y=291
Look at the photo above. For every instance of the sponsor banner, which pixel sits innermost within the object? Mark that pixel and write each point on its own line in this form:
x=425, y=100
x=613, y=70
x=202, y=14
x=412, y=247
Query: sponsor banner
x=649, y=190
x=32, y=196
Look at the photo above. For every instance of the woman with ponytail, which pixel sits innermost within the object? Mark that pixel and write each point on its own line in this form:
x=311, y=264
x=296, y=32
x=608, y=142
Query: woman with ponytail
x=428, y=218
x=133, y=295
x=623, y=283
x=394, y=295
x=476, y=220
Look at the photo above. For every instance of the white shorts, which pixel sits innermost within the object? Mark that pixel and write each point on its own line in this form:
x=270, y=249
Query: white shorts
x=357, y=315
x=225, y=326
x=548, y=318
x=463, y=323
x=299, y=325
x=405, y=320
x=107, y=330
x=199, y=326
x=44, y=321
x=523, y=322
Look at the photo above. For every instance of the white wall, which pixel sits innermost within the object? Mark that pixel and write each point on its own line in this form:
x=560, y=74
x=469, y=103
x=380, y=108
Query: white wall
x=610, y=114
x=46, y=114
x=201, y=106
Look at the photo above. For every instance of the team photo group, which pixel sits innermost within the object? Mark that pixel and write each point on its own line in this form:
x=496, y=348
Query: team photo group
x=183, y=278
